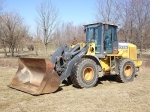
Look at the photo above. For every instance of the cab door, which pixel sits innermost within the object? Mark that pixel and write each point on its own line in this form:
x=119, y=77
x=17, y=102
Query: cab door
x=110, y=39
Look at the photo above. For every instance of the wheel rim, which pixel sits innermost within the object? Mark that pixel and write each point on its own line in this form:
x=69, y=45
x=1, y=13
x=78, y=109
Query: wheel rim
x=88, y=74
x=128, y=71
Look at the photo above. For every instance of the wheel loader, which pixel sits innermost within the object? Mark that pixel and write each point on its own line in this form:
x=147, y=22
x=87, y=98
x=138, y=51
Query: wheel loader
x=82, y=63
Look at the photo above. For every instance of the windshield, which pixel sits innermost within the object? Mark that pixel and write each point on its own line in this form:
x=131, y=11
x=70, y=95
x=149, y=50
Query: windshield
x=91, y=34
x=94, y=34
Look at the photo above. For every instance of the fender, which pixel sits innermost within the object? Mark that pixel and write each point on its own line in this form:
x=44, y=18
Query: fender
x=94, y=58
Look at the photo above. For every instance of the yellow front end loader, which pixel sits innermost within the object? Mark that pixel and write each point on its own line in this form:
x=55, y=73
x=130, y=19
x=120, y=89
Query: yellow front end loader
x=83, y=64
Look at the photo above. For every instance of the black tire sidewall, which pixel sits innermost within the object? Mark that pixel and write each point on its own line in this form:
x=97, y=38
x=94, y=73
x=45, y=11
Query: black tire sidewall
x=85, y=64
x=122, y=75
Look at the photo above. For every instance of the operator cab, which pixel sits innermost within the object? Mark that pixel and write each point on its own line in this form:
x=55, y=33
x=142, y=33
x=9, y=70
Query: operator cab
x=104, y=35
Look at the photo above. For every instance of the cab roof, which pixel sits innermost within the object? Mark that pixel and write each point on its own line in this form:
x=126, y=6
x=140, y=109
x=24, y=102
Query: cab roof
x=107, y=23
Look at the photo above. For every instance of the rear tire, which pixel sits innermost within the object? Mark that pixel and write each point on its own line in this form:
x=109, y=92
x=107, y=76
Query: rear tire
x=84, y=74
x=127, y=71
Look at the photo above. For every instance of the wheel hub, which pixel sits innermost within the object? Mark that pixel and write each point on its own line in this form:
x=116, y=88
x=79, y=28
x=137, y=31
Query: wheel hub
x=88, y=74
x=128, y=71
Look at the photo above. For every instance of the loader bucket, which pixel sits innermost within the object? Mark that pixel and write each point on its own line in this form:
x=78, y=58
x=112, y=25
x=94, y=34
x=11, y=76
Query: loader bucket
x=35, y=76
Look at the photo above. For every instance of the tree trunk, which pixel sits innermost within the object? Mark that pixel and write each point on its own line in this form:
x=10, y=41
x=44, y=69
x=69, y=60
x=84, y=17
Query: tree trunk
x=16, y=50
x=46, y=48
x=141, y=46
x=12, y=52
x=140, y=51
x=36, y=52
x=5, y=52
x=9, y=49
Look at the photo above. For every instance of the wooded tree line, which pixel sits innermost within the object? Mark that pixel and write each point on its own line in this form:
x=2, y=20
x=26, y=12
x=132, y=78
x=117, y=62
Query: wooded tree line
x=69, y=34
x=13, y=30
x=13, y=33
x=132, y=16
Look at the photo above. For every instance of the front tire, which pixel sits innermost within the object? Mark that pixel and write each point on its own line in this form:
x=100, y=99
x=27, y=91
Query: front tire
x=84, y=74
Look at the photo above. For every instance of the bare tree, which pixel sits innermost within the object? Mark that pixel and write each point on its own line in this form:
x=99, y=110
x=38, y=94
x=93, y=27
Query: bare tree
x=69, y=34
x=107, y=10
x=3, y=38
x=12, y=30
x=48, y=18
x=57, y=37
x=2, y=43
x=37, y=40
x=136, y=22
x=22, y=35
x=141, y=12
x=80, y=33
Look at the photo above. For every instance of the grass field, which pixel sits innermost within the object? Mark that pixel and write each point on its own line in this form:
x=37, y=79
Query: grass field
x=107, y=96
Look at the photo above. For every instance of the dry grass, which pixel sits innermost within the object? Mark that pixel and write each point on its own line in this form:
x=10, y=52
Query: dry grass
x=26, y=53
x=107, y=96
x=8, y=62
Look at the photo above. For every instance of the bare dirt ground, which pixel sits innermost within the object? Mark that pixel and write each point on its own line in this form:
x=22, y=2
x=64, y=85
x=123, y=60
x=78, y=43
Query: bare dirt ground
x=107, y=96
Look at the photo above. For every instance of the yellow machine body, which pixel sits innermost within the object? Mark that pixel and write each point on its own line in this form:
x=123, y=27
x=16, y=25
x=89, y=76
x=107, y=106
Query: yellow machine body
x=127, y=52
